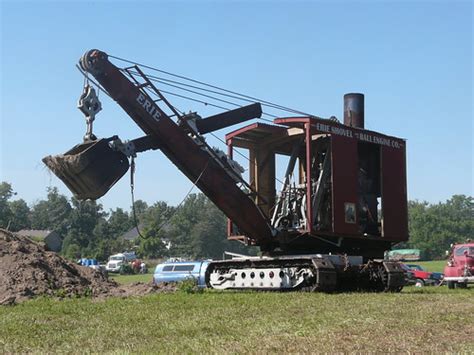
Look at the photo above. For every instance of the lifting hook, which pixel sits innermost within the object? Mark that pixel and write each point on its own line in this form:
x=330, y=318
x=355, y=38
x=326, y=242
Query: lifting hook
x=89, y=105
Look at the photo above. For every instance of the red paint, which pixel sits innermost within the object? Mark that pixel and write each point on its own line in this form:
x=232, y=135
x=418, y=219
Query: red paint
x=185, y=153
x=344, y=182
x=394, y=194
x=309, y=200
x=460, y=261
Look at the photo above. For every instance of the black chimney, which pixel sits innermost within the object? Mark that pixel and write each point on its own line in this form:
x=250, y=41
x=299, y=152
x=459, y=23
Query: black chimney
x=354, y=110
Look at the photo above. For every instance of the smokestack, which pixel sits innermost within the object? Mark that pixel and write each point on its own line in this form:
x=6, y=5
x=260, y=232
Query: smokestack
x=354, y=110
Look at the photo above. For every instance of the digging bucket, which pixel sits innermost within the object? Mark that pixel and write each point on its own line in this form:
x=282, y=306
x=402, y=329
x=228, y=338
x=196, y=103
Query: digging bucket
x=89, y=169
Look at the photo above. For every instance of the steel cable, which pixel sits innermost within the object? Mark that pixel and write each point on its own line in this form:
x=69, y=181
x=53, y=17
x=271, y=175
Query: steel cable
x=262, y=102
x=132, y=185
x=284, y=108
x=200, y=101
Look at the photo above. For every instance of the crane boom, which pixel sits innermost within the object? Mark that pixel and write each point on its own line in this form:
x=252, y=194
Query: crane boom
x=184, y=146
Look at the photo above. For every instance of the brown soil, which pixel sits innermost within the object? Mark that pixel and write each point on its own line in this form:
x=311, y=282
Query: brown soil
x=28, y=270
x=138, y=289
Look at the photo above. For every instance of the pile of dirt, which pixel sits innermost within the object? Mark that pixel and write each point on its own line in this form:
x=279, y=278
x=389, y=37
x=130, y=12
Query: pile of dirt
x=28, y=270
x=139, y=289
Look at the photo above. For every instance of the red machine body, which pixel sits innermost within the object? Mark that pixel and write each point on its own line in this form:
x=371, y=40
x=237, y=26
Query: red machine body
x=357, y=218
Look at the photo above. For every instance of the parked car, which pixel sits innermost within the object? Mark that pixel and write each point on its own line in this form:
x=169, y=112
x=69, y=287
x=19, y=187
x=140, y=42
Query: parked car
x=92, y=263
x=459, y=270
x=425, y=278
x=409, y=275
x=171, y=271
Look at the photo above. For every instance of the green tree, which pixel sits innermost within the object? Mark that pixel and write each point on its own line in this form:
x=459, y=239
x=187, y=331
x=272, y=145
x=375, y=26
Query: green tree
x=83, y=220
x=6, y=192
x=14, y=215
x=20, y=215
x=141, y=208
x=181, y=224
x=119, y=223
x=208, y=234
x=152, y=246
x=71, y=250
x=198, y=230
x=156, y=222
x=108, y=234
x=433, y=227
x=52, y=213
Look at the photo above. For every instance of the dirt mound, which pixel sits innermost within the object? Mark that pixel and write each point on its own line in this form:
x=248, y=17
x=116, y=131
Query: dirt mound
x=139, y=289
x=28, y=270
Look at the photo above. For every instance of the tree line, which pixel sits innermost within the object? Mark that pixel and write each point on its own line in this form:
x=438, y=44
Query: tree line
x=197, y=229
x=434, y=227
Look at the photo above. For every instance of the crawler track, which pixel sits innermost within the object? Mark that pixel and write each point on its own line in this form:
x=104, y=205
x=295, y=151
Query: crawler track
x=320, y=273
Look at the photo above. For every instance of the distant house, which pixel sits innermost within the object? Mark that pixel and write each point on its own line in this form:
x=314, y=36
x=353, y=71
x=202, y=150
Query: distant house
x=51, y=239
x=132, y=235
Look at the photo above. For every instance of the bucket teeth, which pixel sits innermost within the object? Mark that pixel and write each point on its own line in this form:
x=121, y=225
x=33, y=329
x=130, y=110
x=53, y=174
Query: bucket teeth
x=89, y=169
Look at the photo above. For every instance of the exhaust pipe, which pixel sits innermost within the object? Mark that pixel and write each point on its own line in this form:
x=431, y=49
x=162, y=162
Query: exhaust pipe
x=354, y=110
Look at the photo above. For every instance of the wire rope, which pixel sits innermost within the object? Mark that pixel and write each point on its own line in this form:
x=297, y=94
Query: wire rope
x=205, y=102
x=132, y=186
x=284, y=108
x=262, y=102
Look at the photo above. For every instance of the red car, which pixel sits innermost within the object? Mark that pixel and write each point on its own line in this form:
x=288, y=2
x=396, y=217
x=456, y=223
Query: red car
x=422, y=277
x=460, y=268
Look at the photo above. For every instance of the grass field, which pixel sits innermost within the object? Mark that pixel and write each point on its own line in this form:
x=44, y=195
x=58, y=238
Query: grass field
x=126, y=279
x=433, y=266
x=432, y=319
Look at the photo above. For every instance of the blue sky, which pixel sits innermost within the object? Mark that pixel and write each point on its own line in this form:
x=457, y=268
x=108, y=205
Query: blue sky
x=412, y=59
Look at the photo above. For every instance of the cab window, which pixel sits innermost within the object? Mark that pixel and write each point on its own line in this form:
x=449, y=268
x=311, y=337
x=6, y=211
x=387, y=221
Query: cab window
x=183, y=268
x=460, y=251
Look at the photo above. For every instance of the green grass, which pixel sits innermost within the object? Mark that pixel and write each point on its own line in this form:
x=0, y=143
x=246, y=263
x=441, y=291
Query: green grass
x=126, y=279
x=417, y=320
x=433, y=266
